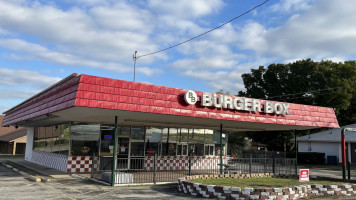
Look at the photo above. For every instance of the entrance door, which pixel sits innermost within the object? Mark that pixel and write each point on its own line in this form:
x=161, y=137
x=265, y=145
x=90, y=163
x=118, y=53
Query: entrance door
x=123, y=150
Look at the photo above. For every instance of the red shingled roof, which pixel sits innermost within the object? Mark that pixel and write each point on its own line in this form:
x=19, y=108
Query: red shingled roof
x=98, y=92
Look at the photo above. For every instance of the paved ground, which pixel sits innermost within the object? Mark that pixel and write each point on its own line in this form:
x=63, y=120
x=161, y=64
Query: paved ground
x=15, y=186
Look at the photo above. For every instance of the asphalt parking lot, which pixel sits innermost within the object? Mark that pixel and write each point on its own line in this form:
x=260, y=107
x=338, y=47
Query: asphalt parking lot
x=15, y=186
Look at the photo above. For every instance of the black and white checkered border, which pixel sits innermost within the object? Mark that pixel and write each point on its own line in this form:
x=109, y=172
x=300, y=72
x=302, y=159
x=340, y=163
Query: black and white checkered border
x=53, y=160
x=296, y=192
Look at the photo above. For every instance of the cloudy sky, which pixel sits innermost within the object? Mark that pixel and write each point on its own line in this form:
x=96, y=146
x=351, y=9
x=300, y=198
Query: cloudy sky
x=43, y=41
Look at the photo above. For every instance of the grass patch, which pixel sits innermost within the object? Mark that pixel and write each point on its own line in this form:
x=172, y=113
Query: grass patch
x=263, y=182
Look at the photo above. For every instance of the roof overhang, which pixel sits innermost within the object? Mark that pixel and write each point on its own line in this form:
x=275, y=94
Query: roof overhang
x=94, y=99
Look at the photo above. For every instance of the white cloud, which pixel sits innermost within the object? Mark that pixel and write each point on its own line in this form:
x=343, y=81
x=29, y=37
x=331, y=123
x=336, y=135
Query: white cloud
x=10, y=77
x=127, y=17
x=204, y=63
x=3, y=109
x=325, y=30
x=148, y=71
x=91, y=34
x=292, y=5
x=16, y=94
x=3, y=32
x=31, y=51
x=226, y=80
x=184, y=9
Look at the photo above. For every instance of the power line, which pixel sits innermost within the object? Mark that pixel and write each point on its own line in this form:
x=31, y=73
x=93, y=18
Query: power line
x=310, y=91
x=204, y=32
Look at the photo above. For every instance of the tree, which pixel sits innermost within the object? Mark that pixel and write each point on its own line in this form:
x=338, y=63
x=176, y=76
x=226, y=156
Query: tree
x=221, y=91
x=324, y=83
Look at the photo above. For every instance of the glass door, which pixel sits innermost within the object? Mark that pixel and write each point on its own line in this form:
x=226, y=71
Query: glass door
x=123, y=150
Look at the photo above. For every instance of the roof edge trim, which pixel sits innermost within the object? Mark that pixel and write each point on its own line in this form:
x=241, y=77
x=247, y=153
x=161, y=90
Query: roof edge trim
x=43, y=91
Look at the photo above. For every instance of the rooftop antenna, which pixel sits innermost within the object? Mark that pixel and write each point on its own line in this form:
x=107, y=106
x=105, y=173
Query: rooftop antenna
x=134, y=57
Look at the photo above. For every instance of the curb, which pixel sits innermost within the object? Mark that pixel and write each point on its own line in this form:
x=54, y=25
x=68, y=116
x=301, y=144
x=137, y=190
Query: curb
x=291, y=192
x=27, y=175
x=44, y=178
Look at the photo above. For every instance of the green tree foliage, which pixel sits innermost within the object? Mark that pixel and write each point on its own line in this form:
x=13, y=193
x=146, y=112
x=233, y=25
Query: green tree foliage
x=221, y=91
x=324, y=83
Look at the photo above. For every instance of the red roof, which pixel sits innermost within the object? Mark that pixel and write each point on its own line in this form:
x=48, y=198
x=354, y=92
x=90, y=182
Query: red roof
x=105, y=93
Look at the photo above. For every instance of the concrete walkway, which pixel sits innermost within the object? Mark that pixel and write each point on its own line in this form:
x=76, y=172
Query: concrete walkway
x=330, y=174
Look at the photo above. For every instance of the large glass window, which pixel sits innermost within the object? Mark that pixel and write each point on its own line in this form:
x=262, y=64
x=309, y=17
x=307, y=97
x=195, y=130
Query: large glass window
x=153, y=140
x=52, y=139
x=84, y=139
x=137, y=141
x=169, y=141
x=216, y=141
x=125, y=131
x=196, y=142
x=49, y=139
x=107, y=140
x=209, y=149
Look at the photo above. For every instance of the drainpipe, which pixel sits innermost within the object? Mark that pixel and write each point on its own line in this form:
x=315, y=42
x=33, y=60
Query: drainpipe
x=114, y=156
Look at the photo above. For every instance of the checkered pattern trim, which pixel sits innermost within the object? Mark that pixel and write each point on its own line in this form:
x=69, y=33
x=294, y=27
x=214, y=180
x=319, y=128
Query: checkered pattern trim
x=296, y=192
x=77, y=164
x=56, y=161
x=166, y=163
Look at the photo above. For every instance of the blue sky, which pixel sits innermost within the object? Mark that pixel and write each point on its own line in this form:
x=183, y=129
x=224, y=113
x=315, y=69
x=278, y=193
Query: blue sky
x=43, y=41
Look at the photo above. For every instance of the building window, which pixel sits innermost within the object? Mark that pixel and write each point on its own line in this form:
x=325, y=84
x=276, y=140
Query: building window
x=182, y=149
x=153, y=141
x=137, y=141
x=53, y=139
x=209, y=149
x=84, y=139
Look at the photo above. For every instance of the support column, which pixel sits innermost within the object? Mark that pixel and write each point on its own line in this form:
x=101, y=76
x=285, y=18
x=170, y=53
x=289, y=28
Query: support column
x=114, y=157
x=221, y=151
x=349, y=152
x=14, y=148
x=29, y=143
x=296, y=152
x=343, y=156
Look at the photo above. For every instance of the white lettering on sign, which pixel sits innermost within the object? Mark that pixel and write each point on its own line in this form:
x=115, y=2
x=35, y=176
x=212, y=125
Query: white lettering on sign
x=236, y=103
x=303, y=175
x=190, y=97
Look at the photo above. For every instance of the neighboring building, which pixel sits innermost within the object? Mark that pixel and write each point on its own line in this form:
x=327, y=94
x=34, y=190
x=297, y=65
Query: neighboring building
x=329, y=142
x=258, y=146
x=12, y=140
x=76, y=118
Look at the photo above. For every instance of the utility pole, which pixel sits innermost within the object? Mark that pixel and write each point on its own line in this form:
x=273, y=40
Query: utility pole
x=134, y=57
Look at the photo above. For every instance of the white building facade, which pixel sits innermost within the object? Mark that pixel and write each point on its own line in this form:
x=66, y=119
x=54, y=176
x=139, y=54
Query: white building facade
x=329, y=142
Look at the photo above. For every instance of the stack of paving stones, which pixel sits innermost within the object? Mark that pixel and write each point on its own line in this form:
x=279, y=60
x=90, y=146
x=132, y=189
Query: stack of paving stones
x=224, y=192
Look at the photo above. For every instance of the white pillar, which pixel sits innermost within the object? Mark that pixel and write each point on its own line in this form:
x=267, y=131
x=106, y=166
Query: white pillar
x=29, y=143
x=14, y=148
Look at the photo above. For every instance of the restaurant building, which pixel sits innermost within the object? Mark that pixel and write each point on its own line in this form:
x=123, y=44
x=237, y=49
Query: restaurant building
x=75, y=119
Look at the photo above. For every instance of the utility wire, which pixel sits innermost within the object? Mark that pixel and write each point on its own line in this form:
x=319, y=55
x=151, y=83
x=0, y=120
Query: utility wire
x=204, y=32
x=310, y=91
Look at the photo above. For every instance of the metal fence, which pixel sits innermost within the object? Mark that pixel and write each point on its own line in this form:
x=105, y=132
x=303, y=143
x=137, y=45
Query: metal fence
x=154, y=170
x=263, y=154
x=261, y=165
